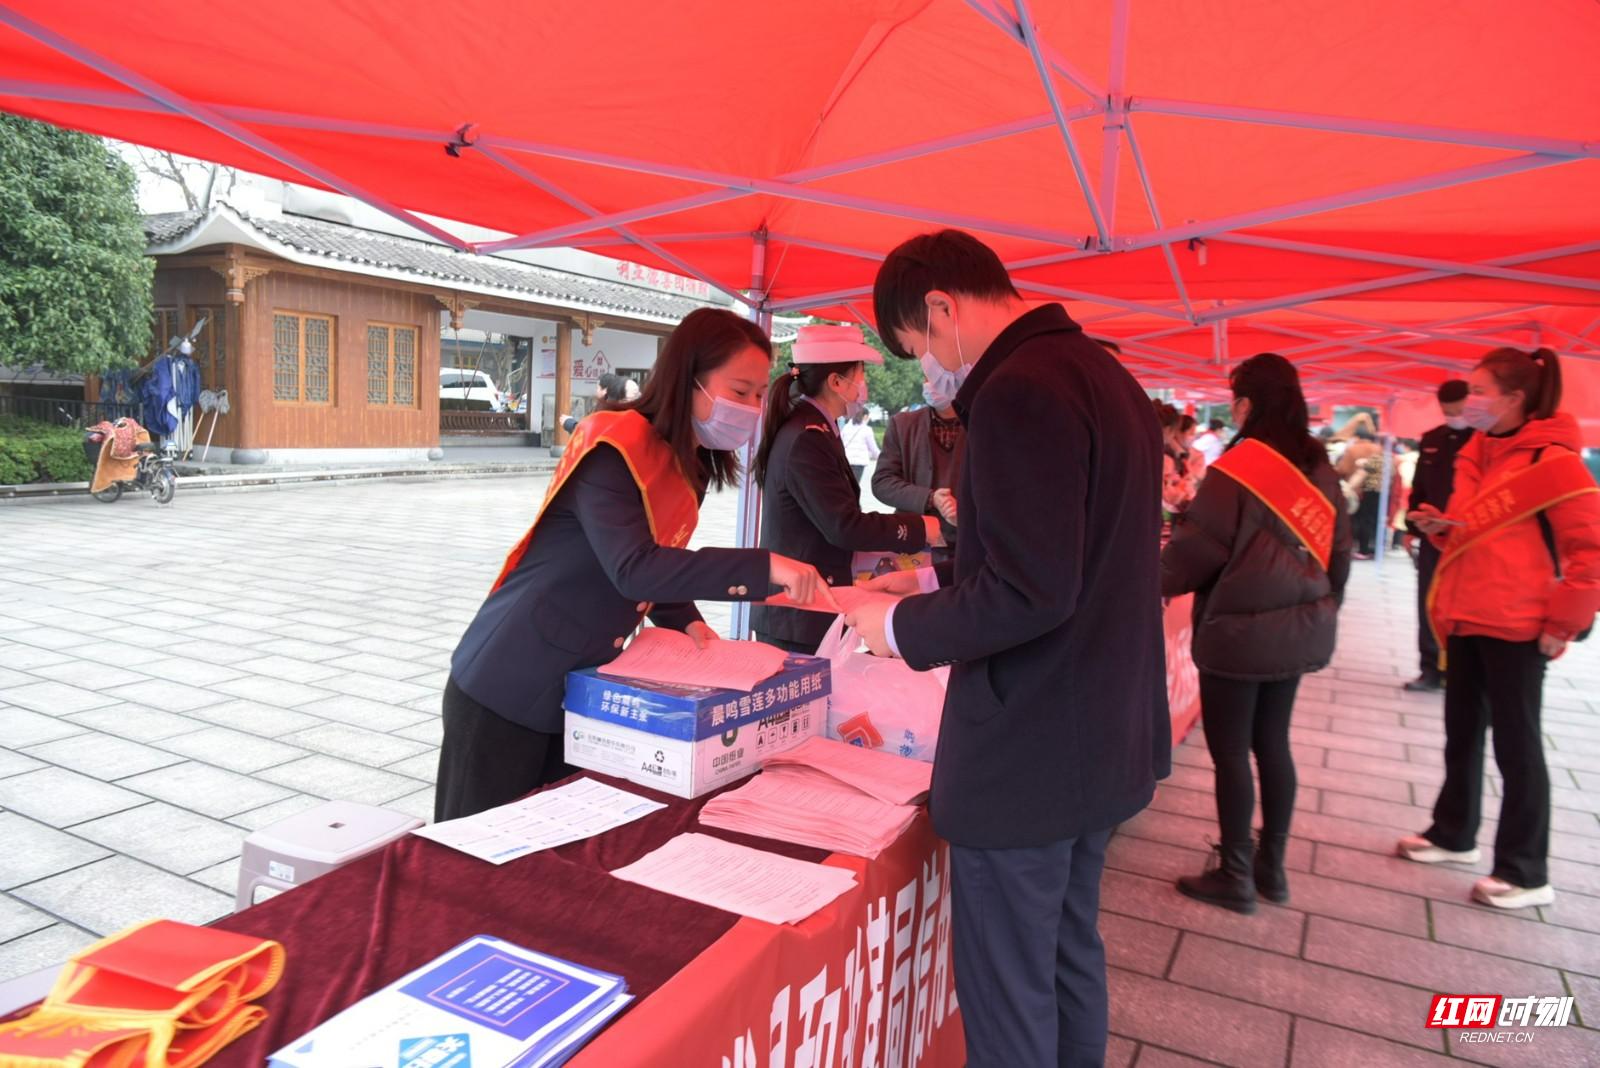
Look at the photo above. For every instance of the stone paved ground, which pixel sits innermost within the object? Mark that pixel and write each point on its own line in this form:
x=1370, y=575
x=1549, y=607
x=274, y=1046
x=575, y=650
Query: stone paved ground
x=171, y=679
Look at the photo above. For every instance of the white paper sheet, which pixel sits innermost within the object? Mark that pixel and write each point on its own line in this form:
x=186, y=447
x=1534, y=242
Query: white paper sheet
x=660, y=655
x=569, y=813
x=886, y=776
x=738, y=879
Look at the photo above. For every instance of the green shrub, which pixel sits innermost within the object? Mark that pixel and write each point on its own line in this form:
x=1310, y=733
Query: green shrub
x=31, y=451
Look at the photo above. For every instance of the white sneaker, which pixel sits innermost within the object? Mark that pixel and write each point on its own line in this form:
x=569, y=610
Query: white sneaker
x=1417, y=848
x=1504, y=895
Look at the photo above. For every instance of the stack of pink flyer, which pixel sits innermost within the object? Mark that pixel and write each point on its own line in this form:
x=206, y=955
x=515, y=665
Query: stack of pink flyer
x=828, y=795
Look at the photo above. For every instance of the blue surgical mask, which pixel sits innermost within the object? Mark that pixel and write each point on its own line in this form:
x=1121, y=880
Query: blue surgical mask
x=1480, y=412
x=934, y=399
x=731, y=426
x=942, y=381
x=1456, y=422
x=856, y=405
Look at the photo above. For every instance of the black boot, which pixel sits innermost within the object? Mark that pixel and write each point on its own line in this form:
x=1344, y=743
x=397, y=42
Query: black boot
x=1271, y=882
x=1227, y=880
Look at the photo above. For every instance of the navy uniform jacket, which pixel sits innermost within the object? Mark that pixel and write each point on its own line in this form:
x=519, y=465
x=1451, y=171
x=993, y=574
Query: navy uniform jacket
x=1435, y=475
x=1055, y=721
x=811, y=511
x=591, y=575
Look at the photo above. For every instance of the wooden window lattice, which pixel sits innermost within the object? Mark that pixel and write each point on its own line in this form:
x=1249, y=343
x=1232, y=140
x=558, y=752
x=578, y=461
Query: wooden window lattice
x=302, y=358
x=392, y=365
x=286, y=357
x=318, y=365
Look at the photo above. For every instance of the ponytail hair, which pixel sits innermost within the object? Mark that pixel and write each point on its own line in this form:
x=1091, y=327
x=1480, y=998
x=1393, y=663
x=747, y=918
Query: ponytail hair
x=800, y=381
x=1536, y=375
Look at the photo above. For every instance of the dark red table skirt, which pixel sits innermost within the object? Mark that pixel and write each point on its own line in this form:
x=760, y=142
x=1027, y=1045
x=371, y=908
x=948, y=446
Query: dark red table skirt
x=358, y=929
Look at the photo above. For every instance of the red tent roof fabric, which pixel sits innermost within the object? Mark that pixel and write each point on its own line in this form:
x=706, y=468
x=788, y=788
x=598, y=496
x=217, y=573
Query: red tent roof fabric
x=1419, y=179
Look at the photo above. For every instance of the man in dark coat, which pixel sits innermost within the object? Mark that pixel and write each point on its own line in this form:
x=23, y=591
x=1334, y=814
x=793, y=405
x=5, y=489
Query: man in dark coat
x=1055, y=725
x=1431, y=484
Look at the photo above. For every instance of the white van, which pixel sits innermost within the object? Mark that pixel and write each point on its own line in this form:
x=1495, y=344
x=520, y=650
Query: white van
x=474, y=386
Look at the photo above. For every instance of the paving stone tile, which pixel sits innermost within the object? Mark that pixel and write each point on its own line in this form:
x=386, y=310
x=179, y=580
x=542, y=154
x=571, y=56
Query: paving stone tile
x=110, y=894
x=205, y=789
x=102, y=756
x=1337, y=780
x=340, y=780
x=1585, y=990
x=1573, y=910
x=1476, y=927
x=17, y=919
x=136, y=722
x=1403, y=770
x=1191, y=833
x=1323, y=896
x=288, y=668
x=189, y=672
x=54, y=698
x=174, y=839
x=1137, y=945
x=33, y=850
x=266, y=815
x=1352, y=743
x=1120, y=1051
x=220, y=653
x=165, y=695
x=88, y=675
x=1156, y=1057
x=1387, y=1010
x=424, y=766
x=266, y=720
x=1158, y=901
x=360, y=712
x=1197, y=1022
x=1419, y=962
x=228, y=634
x=385, y=691
x=10, y=678
x=300, y=649
x=18, y=657
x=47, y=637
x=373, y=748
x=46, y=948
x=271, y=691
x=62, y=798
x=419, y=804
x=384, y=666
x=223, y=877
x=1445, y=882
x=14, y=763
x=231, y=749
x=1317, y=1045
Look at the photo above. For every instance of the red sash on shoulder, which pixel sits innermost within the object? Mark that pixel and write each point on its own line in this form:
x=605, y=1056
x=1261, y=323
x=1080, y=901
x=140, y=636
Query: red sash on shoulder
x=1286, y=490
x=670, y=502
x=1502, y=504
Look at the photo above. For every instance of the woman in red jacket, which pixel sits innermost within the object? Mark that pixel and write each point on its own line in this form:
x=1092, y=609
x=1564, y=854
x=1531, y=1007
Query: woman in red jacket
x=1518, y=579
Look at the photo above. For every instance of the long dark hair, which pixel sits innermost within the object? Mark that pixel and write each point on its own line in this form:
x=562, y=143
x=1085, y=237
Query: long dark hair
x=803, y=380
x=1278, y=416
x=1537, y=374
x=706, y=339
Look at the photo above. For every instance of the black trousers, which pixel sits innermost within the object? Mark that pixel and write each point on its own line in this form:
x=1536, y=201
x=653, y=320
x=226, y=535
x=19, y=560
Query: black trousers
x=1364, y=523
x=486, y=760
x=1030, y=966
x=859, y=470
x=1427, y=646
x=1242, y=717
x=1498, y=685
x=786, y=645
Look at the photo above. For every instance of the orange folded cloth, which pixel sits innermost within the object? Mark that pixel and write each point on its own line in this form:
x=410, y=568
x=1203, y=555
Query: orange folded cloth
x=113, y=466
x=159, y=995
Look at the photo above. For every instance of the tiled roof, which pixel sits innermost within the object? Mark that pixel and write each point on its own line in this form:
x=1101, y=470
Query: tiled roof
x=365, y=248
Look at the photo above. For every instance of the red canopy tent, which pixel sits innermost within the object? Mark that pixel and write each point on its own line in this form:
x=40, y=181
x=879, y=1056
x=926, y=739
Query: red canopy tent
x=1378, y=190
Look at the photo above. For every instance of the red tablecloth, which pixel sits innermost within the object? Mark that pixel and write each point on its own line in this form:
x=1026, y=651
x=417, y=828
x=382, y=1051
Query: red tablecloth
x=714, y=976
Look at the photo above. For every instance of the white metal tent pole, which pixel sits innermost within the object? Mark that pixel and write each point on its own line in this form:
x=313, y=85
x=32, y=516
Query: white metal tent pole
x=749, y=510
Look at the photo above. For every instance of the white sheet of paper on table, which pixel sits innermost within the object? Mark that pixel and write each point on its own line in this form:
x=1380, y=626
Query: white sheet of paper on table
x=738, y=879
x=569, y=813
x=659, y=655
x=887, y=776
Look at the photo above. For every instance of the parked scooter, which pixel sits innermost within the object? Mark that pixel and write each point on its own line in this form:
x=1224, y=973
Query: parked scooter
x=155, y=472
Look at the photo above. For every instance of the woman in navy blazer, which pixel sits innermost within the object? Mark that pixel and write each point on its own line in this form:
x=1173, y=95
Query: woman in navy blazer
x=594, y=566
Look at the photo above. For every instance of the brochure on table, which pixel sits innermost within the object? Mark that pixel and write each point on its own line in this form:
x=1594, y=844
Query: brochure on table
x=485, y=1004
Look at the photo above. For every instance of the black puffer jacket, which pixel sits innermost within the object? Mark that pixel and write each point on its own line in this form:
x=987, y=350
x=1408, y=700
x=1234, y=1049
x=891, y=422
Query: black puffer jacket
x=1264, y=608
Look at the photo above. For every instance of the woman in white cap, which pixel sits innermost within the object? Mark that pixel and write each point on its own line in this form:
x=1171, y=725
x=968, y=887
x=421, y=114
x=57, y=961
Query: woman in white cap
x=811, y=498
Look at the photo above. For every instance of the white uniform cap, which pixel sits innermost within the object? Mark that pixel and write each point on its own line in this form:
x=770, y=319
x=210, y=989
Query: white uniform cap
x=833, y=344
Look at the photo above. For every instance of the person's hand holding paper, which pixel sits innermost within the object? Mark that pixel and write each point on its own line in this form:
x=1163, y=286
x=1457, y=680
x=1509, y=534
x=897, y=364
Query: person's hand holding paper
x=866, y=618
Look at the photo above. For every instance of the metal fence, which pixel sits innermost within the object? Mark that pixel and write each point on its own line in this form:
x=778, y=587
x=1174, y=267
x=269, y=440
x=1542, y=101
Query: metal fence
x=64, y=412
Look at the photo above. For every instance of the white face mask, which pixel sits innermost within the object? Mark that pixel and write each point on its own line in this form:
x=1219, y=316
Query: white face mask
x=1456, y=422
x=730, y=427
x=857, y=404
x=1481, y=413
x=941, y=381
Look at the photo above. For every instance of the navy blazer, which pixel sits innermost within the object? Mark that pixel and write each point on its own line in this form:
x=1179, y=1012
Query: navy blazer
x=811, y=511
x=1055, y=721
x=591, y=575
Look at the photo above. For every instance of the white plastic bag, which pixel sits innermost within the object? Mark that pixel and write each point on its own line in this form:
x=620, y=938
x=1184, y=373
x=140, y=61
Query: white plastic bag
x=880, y=703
